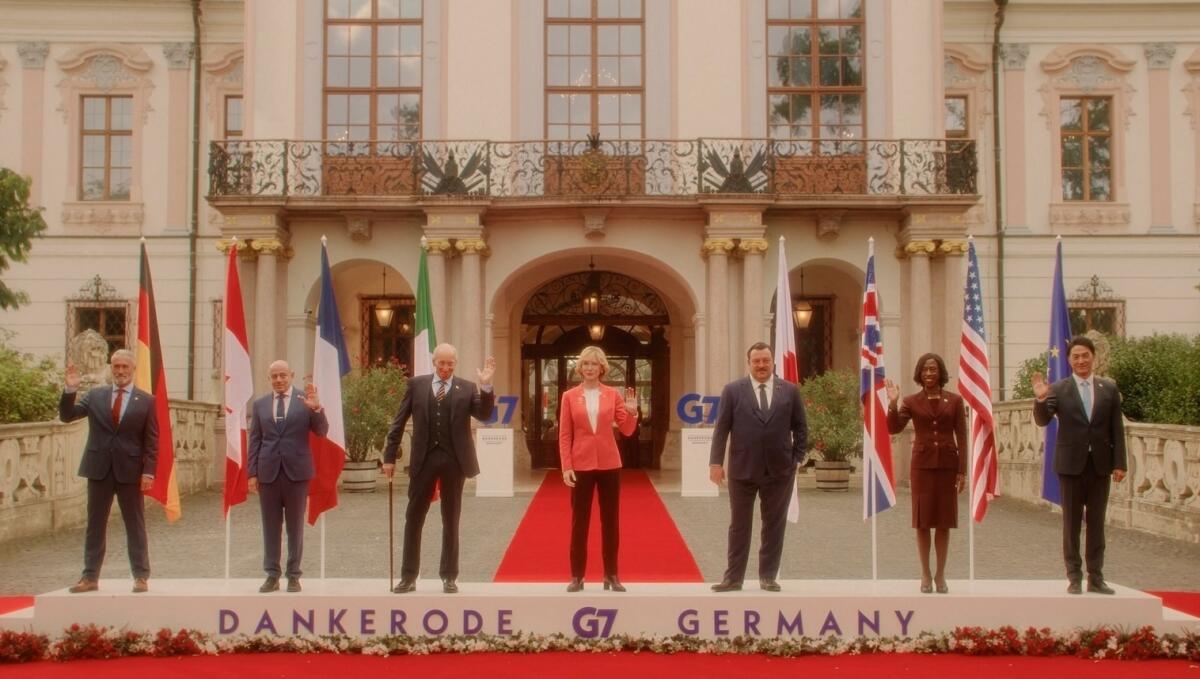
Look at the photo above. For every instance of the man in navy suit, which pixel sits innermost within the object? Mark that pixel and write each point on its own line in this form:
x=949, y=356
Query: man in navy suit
x=764, y=417
x=1090, y=449
x=443, y=451
x=119, y=460
x=279, y=467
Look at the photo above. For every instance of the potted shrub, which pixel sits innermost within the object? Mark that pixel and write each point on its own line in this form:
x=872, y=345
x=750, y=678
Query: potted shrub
x=370, y=397
x=831, y=404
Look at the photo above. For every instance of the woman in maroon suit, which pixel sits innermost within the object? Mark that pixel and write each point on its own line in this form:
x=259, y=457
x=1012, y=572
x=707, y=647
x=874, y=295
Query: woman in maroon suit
x=939, y=460
x=591, y=462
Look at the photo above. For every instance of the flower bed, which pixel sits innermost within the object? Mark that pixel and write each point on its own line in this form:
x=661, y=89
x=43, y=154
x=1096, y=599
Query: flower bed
x=80, y=642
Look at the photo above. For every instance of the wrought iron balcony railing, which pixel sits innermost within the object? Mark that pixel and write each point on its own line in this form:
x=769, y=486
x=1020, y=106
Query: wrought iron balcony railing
x=592, y=168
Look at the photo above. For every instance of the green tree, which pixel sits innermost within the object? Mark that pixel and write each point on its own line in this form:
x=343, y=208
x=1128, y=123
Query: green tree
x=370, y=397
x=29, y=388
x=19, y=224
x=1159, y=378
x=834, y=414
x=1022, y=385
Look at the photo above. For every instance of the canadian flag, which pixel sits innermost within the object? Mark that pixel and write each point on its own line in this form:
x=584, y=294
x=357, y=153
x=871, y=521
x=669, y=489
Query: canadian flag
x=786, y=366
x=239, y=387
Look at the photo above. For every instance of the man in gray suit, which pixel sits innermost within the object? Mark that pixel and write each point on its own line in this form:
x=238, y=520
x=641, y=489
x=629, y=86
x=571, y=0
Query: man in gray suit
x=441, y=406
x=279, y=467
x=764, y=417
x=1089, y=449
x=119, y=460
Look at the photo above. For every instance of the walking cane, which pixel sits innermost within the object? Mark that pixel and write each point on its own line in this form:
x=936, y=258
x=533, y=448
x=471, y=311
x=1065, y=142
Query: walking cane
x=391, y=539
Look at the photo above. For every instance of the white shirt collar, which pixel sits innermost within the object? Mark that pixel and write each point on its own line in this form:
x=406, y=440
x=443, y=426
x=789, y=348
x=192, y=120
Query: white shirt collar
x=770, y=383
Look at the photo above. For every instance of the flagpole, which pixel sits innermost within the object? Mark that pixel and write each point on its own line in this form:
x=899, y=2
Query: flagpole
x=970, y=492
x=870, y=477
x=323, y=545
x=227, y=544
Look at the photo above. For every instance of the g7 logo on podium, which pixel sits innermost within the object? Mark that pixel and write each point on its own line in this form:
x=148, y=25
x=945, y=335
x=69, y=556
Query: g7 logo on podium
x=590, y=623
x=691, y=408
x=509, y=403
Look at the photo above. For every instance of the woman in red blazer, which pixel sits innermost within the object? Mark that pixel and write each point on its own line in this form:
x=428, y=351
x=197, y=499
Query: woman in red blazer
x=591, y=461
x=939, y=460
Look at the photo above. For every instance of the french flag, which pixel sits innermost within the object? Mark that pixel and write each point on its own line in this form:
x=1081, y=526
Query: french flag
x=331, y=362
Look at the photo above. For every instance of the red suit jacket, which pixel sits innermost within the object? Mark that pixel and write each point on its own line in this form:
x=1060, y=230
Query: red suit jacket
x=579, y=447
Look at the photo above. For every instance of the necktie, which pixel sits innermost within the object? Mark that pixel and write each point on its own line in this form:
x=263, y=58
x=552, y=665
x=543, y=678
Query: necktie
x=279, y=407
x=116, y=412
x=762, y=397
x=441, y=392
x=1086, y=395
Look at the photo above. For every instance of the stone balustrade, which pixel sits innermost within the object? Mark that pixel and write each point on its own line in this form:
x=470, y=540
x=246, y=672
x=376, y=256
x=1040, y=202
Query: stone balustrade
x=40, y=491
x=1161, y=494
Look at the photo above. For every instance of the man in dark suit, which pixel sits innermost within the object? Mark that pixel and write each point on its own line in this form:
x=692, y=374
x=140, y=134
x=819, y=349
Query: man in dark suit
x=1089, y=449
x=443, y=451
x=279, y=467
x=765, y=416
x=119, y=460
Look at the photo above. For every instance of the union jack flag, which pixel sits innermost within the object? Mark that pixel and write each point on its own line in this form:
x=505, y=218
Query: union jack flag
x=879, y=483
x=974, y=384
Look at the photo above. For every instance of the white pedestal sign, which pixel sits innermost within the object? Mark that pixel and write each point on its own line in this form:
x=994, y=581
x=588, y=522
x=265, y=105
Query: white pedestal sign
x=495, y=450
x=694, y=466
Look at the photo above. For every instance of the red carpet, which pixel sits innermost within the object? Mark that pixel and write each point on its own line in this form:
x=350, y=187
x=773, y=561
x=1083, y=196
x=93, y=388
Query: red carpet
x=8, y=604
x=602, y=665
x=1184, y=602
x=652, y=550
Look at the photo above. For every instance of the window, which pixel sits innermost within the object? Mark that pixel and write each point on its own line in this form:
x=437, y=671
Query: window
x=815, y=82
x=956, y=117
x=1085, y=125
x=233, y=117
x=391, y=344
x=373, y=70
x=108, y=319
x=107, y=144
x=594, y=69
x=1095, y=306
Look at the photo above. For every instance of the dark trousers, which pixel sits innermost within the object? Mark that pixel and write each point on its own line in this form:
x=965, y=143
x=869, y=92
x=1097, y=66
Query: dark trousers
x=606, y=483
x=1084, y=500
x=99, y=506
x=439, y=466
x=773, y=492
x=283, y=501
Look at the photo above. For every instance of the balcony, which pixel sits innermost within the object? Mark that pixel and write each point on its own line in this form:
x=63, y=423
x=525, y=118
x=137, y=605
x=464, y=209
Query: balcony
x=525, y=171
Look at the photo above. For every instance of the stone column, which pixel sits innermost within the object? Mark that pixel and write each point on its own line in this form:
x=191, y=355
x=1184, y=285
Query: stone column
x=953, y=253
x=436, y=250
x=179, y=62
x=470, y=337
x=33, y=76
x=1159, y=56
x=1014, y=56
x=920, y=321
x=916, y=61
x=752, y=250
x=266, y=315
x=717, y=357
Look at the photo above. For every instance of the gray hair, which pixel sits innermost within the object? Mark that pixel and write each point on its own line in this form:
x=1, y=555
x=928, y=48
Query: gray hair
x=125, y=354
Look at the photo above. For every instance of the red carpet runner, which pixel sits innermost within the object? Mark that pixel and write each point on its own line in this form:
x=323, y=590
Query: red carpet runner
x=652, y=550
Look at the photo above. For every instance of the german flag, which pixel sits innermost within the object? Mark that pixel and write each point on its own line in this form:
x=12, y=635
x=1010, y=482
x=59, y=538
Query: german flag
x=151, y=377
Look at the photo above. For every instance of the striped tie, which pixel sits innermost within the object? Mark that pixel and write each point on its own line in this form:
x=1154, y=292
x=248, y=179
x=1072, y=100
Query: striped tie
x=441, y=392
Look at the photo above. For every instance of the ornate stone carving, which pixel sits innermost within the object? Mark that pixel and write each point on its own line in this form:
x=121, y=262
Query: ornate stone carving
x=179, y=55
x=103, y=218
x=1087, y=69
x=3, y=83
x=829, y=223
x=755, y=246
x=33, y=54
x=1159, y=55
x=1014, y=54
x=714, y=246
x=88, y=351
x=436, y=246
x=358, y=227
x=953, y=247
x=469, y=246
x=920, y=247
x=107, y=68
x=593, y=222
x=267, y=246
x=1089, y=217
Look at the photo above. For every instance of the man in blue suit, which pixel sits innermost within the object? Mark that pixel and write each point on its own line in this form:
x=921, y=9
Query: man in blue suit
x=279, y=467
x=764, y=417
x=118, y=461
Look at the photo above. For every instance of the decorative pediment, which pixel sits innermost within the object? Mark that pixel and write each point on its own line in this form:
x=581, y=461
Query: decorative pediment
x=1087, y=70
x=106, y=69
x=1090, y=57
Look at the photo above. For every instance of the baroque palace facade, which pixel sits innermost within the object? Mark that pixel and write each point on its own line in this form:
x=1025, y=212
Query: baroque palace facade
x=616, y=172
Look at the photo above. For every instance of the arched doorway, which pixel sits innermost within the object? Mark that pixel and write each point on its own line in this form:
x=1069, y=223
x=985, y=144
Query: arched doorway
x=626, y=319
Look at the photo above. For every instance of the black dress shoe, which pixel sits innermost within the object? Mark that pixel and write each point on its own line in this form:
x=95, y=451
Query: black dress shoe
x=727, y=586
x=271, y=584
x=768, y=585
x=575, y=585
x=611, y=582
x=1100, y=587
x=293, y=585
x=405, y=585
x=1074, y=587
x=448, y=586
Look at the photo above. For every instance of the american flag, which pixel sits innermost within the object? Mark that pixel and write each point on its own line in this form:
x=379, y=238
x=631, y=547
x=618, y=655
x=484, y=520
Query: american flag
x=879, y=483
x=974, y=383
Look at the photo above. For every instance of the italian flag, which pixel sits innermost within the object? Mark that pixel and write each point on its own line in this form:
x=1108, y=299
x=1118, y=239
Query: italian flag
x=426, y=335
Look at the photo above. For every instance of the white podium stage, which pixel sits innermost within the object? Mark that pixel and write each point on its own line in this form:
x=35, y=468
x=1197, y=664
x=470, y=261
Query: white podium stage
x=811, y=608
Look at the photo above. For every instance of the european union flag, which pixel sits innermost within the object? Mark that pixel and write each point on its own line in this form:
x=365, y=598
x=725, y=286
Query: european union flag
x=1057, y=368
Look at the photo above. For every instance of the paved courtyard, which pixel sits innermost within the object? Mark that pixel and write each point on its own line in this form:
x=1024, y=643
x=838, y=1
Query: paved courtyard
x=1016, y=541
